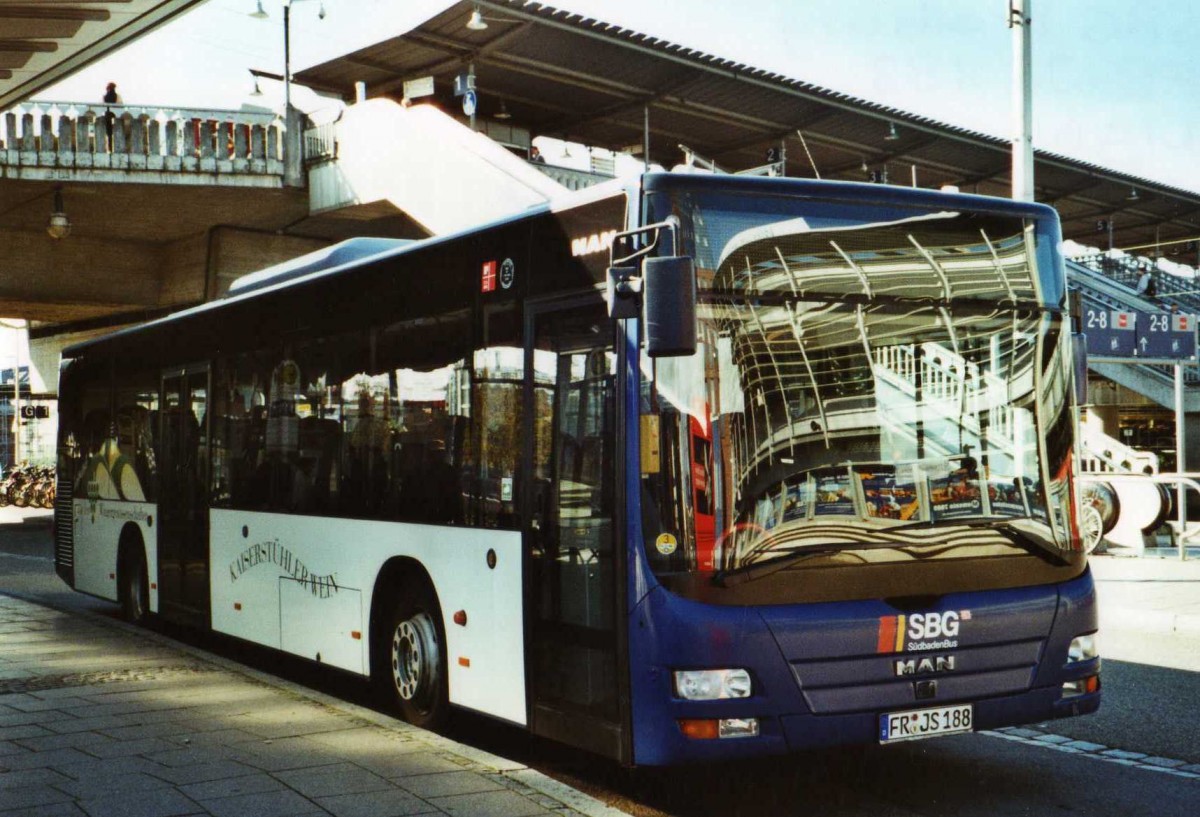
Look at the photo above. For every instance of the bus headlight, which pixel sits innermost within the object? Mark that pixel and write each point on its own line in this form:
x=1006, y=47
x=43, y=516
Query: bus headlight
x=712, y=684
x=1083, y=648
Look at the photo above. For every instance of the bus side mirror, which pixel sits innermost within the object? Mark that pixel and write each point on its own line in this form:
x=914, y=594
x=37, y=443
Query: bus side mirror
x=669, y=304
x=1079, y=361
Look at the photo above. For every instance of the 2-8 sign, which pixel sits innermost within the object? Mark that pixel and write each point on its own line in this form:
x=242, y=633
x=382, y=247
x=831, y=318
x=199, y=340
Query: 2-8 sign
x=1110, y=333
x=1168, y=335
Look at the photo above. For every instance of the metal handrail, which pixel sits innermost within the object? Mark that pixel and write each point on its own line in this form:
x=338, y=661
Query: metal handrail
x=1127, y=271
x=1182, y=482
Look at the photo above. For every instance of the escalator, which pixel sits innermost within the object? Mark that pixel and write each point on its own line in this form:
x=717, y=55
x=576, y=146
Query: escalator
x=1118, y=292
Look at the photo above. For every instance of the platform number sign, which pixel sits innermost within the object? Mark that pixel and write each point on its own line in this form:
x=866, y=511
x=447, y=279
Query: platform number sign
x=1169, y=336
x=1110, y=333
x=1165, y=336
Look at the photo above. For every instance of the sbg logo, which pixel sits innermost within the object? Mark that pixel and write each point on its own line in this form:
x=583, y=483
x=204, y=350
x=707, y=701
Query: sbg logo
x=921, y=631
x=924, y=626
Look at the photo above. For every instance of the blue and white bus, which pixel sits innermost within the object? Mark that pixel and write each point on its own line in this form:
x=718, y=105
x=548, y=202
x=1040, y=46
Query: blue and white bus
x=694, y=468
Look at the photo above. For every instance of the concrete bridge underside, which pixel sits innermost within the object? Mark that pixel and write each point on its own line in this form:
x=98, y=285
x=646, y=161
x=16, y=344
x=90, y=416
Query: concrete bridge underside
x=135, y=249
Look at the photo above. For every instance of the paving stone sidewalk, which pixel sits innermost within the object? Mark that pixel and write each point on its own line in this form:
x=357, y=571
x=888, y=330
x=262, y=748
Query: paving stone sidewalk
x=98, y=718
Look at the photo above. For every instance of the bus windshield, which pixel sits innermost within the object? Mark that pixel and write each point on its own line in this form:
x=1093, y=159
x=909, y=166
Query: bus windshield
x=871, y=386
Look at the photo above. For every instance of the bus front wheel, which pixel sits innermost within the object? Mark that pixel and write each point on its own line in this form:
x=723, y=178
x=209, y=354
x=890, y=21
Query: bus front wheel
x=414, y=657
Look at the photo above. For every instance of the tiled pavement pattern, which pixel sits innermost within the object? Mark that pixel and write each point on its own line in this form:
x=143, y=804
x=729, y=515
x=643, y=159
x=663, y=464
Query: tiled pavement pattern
x=100, y=719
x=1096, y=751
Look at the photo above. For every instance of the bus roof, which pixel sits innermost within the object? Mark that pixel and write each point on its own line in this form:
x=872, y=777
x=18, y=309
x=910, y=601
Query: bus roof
x=342, y=258
x=355, y=253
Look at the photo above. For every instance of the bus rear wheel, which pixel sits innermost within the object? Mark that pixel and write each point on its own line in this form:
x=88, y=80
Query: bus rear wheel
x=414, y=658
x=134, y=590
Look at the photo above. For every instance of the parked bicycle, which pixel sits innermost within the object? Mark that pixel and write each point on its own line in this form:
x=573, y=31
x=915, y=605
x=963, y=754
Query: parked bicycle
x=28, y=486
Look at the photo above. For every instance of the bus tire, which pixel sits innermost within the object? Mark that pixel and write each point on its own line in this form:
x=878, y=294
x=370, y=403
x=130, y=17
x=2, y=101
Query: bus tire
x=412, y=653
x=133, y=584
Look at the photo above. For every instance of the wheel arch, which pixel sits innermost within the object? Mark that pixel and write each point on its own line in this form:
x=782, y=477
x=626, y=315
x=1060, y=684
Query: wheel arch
x=130, y=542
x=132, y=556
x=394, y=573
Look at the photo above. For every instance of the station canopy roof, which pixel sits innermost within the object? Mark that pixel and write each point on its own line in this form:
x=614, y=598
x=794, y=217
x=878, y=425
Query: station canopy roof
x=563, y=75
x=44, y=41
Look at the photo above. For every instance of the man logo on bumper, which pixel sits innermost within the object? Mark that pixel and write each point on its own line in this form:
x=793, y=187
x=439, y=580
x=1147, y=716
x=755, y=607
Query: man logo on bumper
x=921, y=666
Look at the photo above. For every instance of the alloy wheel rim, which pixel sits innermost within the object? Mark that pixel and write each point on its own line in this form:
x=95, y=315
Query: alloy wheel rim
x=415, y=657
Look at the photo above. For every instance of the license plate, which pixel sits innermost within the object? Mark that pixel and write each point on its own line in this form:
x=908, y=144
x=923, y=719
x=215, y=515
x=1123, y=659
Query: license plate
x=915, y=724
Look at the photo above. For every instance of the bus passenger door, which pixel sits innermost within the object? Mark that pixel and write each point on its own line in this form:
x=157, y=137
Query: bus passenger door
x=575, y=569
x=183, y=463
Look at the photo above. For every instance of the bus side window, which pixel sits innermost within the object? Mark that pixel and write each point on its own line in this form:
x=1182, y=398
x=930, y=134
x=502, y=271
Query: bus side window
x=496, y=411
x=97, y=424
x=421, y=398
x=239, y=432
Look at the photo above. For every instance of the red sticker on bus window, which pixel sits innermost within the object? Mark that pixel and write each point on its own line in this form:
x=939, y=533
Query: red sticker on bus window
x=488, y=279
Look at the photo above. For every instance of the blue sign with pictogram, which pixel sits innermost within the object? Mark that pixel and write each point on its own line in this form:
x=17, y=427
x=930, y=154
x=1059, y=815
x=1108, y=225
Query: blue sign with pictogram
x=1110, y=332
x=1155, y=335
x=1168, y=335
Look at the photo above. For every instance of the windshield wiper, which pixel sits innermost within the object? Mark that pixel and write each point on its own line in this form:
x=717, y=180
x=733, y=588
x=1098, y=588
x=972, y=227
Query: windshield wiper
x=1027, y=541
x=1030, y=543
x=733, y=576
x=756, y=570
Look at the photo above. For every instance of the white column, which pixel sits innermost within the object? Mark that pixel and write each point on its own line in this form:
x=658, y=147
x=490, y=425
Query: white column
x=1020, y=15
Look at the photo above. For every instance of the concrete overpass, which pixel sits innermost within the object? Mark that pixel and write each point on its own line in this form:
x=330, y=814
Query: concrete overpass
x=160, y=211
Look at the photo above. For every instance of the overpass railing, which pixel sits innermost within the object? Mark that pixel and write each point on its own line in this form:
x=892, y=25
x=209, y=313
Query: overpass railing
x=75, y=135
x=1172, y=289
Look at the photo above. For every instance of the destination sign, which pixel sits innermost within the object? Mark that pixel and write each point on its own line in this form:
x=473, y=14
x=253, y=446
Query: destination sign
x=1133, y=333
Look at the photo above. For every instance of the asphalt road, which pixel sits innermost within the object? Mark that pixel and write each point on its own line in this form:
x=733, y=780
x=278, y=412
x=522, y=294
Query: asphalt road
x=1152, y=684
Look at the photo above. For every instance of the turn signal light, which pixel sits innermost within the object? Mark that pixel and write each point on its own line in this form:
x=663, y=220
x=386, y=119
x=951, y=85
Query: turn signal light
x=699, y=729
x=711, y=729
x=1084, y=686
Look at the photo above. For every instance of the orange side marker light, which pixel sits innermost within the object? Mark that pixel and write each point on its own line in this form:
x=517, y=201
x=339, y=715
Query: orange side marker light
x=699, y=729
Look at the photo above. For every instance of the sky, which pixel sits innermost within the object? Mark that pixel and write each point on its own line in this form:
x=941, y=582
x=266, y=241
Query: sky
x=1114, y=82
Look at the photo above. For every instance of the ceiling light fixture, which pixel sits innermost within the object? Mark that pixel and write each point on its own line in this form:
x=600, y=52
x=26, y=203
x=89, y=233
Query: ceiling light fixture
x=259, y=13
x=892, y=135
x=60, y=225
x=503, y=112
x=477, y=23
x=1133, y=194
